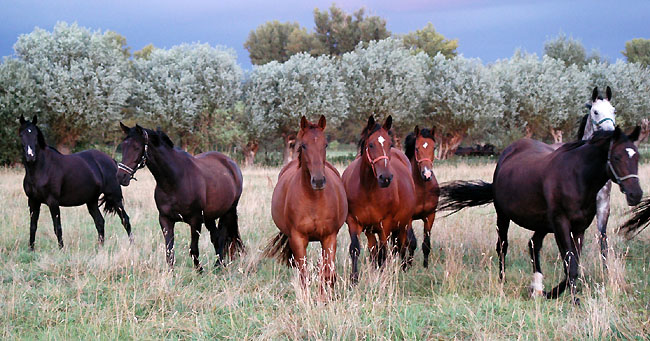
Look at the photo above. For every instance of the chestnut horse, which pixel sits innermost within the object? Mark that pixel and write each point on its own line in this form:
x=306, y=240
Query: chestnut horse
x=552, y=191
x=308, y=204
x=418, y=147
x=192, y=189
x=54, y=179
x=381, y=195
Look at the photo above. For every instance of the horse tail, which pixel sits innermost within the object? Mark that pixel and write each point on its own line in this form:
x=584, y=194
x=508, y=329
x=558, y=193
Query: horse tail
x=639, y=220
x=228, y=222
x=110, y=204
x=456, y=195
x=279, y=248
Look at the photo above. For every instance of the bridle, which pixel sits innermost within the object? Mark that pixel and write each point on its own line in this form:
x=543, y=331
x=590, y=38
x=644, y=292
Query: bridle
x=597, y=124
x=418, y=160
x=372, y=162
x=617, y=179
x=143, y=159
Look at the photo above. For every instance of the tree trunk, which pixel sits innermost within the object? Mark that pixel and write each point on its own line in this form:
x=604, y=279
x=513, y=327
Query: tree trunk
x=645, y=132
x=529, y=132
x=449, y=143
x=557, y=135
x=288, y=153
x=250, y=150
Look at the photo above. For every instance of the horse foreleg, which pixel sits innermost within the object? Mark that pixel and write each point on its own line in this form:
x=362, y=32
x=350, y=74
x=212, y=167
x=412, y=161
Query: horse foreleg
x=569, y=254
x=355, y=248
x=412, y=244
x=328, y=267
x=534, y=246
x=195, y=227
x=382, y=252
x=426, y=243
x=298, y=244
x=218, y=240
x=34, y=212
x=56, y=221
x=373, y=249
x=403, y=244
x=93, y=209
x=167, y=226
x=602, y=217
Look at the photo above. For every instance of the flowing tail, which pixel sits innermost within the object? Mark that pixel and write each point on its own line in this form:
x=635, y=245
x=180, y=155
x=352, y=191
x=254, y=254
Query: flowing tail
x=456, y=195
x=229, y=223
x=639, y=220
x=110, y=204
x=279, y=248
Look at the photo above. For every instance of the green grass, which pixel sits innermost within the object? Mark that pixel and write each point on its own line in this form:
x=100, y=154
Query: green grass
x=126, y=291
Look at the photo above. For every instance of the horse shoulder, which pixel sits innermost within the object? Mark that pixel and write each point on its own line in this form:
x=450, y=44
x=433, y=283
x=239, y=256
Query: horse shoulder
x=293, y=164
x=330, y=166
x=399, y=155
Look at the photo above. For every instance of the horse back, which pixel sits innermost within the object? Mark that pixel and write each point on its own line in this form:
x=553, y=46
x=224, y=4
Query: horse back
x=221, y=178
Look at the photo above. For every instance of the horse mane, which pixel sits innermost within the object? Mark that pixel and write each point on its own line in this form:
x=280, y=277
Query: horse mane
x=41, y=137
x=409, y=141
x=583, y=125
x=366, y=132
x=597, y=137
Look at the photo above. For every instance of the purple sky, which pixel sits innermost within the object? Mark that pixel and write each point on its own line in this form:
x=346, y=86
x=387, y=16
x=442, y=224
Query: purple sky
x=485, y=29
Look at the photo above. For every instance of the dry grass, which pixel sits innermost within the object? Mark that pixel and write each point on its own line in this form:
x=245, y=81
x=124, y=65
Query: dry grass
x=126, y=291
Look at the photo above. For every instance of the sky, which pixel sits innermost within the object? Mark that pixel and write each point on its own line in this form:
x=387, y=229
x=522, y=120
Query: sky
x=488, y=30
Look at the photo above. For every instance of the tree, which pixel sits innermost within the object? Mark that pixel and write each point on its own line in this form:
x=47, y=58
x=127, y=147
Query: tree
x=638, y=51
x=183, y=88
x=278, y=95
x=384, y=78
x=429, y=41
x=569, y=50
x=278, y=41
x=339, y=32
x=462, y=95
x=82, y=79
x=145, y=52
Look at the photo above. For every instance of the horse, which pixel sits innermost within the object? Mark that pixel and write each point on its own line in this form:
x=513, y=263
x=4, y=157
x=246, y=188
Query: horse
x=548, y=190
x=192, y=189
x=381, y=196
x=418, y=148
x=600, y=118
x=55, y=180
x=309, y=204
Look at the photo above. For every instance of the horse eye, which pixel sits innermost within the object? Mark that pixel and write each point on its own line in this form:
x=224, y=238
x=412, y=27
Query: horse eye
x=303, y=146
x=327, y=145
x=596, y=113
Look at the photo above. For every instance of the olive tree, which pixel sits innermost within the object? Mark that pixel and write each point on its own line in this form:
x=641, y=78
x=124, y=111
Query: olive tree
x=184, y=88
x=82, y=79
x=277, y=95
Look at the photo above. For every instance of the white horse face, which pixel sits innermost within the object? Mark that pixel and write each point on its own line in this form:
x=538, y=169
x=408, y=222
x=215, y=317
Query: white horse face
x=601, y=111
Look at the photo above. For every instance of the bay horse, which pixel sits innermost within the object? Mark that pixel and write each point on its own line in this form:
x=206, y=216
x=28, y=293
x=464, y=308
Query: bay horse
x=55, y=180
x=419, y=149
x=548, y=190
x=192, y=189
x=600, y=118
x=309, y=204
x=381, y=196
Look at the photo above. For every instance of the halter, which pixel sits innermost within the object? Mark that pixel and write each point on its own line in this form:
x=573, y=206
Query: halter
x=597, y=124
x=143, y=160
x=372, y=162
x=421, y=160
x=617, y=178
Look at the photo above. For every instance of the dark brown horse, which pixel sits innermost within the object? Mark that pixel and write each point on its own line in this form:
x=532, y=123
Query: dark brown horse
x=54, y=179
x=309, y=204
x=418, y=147
x=192, y=189
x=552, y=191
x=381, y=195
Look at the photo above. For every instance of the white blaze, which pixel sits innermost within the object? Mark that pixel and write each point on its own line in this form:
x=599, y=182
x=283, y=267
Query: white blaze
x=30, y=152
x=630, y=152
x=381, y=140
x=29, y=130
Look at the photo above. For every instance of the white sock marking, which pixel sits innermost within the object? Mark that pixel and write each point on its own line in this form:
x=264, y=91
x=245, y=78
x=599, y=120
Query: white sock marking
x=536, y=285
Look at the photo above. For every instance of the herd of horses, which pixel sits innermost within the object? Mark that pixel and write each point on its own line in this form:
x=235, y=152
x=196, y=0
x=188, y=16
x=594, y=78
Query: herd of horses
x=544, y=188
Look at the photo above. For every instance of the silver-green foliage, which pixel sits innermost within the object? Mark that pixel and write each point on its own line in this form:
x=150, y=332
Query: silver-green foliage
x=277, y=95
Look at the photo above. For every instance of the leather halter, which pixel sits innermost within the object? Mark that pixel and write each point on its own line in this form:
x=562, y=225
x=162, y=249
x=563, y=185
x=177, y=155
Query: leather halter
x=421, y=160
x=617, y=178
x=143, y=159
x=372, y=162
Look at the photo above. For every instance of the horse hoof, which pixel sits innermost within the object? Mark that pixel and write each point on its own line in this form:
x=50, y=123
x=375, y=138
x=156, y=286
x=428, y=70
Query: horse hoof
x=535, y=293
x=199, y=270
x=576, y=301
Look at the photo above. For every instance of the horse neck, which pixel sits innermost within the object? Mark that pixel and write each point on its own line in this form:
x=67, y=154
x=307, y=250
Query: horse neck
x=415, y=170
x=367, y=176
x=46, y=158
x=165, y=165
x=589, y=129
x=593, y=161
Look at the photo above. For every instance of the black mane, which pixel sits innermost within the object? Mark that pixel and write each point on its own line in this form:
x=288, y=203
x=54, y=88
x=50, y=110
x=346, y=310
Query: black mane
x=409, y=142
x=595, y=138
x=583, y=125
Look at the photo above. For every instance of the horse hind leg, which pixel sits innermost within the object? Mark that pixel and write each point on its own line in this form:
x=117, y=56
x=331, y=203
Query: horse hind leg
x=602, y=217
x=114, y=203
x=56, y=221
x=93, y=209
x=534, y=246
x=503, y=224
x=228, y=224
x=195, y=227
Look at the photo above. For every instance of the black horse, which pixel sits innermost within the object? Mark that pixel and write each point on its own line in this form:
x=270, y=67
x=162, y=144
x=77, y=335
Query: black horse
x=54, y=179
x=192, y=189
x=552, y=191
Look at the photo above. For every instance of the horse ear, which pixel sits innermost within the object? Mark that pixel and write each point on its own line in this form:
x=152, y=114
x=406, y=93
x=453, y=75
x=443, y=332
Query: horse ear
x=594, y=95
x=416, y=131
x=608, y=93
x=125, y=129
x=635, y=134
x=34, y=120
x=371, y=121
x=139, y=129
x=388, y=123
x=303, y=122
x=322, y=122
x=22, y=120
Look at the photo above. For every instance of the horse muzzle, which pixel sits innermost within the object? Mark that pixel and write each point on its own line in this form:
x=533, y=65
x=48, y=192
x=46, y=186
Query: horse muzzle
x=123, y=178
x=426, y=174
x=384, y=181
x=633, y=197
x=318, y=184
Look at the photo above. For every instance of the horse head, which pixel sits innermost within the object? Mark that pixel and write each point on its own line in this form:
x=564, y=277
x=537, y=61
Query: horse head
x=375, y=149
x=312, y=144
x=623, y=164
x=601, y=111
x=424, y=142
x=134, y=153
x=32, y=139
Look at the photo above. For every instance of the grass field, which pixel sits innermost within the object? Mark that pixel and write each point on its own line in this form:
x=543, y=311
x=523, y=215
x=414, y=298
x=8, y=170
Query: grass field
x=126, y=291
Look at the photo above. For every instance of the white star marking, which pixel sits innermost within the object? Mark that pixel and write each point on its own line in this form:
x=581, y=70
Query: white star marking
x=630, y=152
x=425, y=144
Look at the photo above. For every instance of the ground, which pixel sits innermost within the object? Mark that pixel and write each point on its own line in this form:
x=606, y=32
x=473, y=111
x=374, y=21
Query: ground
x=126, y=291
